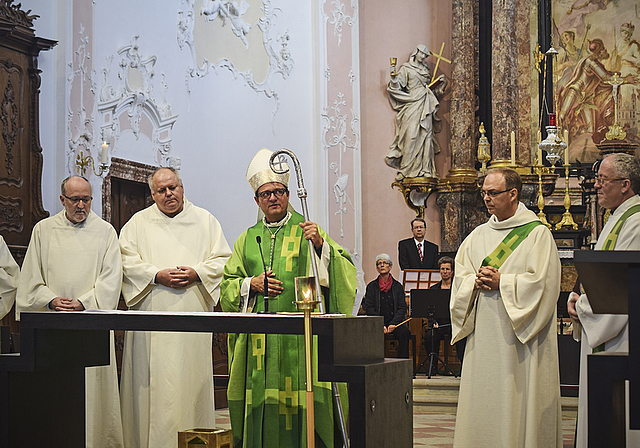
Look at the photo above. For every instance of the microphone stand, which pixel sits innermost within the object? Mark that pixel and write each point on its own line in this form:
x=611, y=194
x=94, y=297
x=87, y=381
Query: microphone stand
x=302, y=194
x=266, y=279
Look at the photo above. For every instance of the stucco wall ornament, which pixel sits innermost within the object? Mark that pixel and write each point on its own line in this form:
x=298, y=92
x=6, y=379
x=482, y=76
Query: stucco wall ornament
x=339, y=17
x=275, y=44
x=134, y=94
x=335, y=135
x=79, y=132
x=228, y=10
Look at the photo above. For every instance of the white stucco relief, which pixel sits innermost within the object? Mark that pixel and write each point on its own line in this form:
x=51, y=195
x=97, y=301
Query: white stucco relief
x=335, y=135
x=132, y=95
x=133, y=98
x=340, y=123
x=79, y=131
x=339, y=18
x=211, y=29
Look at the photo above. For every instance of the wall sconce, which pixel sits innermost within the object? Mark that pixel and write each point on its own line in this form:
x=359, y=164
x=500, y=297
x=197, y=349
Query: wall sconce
x=82, y=161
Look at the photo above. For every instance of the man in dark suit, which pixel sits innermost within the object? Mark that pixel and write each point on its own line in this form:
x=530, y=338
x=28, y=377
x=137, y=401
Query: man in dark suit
x=416, y=252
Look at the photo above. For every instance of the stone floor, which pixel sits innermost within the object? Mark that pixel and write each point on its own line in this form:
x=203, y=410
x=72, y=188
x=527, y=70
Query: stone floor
x=430, y=429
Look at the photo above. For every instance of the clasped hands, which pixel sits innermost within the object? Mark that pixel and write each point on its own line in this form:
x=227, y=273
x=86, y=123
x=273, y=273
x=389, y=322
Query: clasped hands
x=487, y=278
x=178, y=277
x=66, y=304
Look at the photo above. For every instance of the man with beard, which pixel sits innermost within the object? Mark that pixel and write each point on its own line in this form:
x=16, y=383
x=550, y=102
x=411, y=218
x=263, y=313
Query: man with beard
x=73, y=263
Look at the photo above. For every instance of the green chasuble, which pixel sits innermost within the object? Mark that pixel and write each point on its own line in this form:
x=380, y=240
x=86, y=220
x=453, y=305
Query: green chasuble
x=266, y=389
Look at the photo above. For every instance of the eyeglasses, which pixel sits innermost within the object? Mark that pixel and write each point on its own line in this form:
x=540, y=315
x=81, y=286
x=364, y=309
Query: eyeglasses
x=278, y=192
x=602, y=179
x=77, y=199
x=493, y=194
x=382, y=263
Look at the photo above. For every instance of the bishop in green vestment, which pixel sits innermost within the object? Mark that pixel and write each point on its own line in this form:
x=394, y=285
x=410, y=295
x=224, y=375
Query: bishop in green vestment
x=266, y=389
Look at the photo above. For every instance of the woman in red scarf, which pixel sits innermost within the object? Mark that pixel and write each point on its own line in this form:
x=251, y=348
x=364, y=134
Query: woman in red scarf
x=385, y=297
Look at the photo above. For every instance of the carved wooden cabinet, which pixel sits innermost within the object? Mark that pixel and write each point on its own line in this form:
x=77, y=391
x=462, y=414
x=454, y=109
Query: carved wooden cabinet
x=20, y=152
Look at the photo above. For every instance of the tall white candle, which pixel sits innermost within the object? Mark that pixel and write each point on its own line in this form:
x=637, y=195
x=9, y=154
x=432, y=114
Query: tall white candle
x=566, y=150
x=513, y=148
x=540, y=156
x=105, y=153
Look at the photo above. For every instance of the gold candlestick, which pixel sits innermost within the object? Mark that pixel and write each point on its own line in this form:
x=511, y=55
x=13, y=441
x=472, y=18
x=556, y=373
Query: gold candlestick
x=305, y=290
x=567, y=218
x=484, y=153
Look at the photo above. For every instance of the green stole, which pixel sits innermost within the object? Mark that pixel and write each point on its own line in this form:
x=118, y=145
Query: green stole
x=509, y=244
x=610, y=244
x=612, y=238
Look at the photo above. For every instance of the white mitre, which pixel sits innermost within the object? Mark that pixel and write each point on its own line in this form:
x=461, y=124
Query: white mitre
x=260, y=173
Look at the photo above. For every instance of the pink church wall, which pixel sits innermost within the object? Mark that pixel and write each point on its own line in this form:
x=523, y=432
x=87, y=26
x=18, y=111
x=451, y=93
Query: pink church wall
x=385, y=216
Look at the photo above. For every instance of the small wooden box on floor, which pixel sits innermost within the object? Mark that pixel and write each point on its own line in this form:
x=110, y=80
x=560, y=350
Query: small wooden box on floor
x=211, y=438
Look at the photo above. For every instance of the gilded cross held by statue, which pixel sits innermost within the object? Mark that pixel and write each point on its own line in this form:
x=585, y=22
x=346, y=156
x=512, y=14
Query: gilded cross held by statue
x=435, y=69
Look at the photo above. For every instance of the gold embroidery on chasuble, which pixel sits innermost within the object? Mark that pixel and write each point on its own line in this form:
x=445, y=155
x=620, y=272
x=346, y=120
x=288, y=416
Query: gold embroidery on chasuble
x=288, y=402
x=291, y=247
x=257, y=348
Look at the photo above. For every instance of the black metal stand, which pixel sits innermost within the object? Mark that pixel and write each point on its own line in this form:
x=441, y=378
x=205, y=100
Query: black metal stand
x=433, y=355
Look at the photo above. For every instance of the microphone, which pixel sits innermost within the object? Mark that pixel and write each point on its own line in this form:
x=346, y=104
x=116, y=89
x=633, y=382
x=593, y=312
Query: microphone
x=266, y=279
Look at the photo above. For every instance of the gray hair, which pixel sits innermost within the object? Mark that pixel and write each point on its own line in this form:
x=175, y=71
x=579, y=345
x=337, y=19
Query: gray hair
x=627, y=167
x=446, y=260
x=384, y=257
x=173, y=170
x=63, y=185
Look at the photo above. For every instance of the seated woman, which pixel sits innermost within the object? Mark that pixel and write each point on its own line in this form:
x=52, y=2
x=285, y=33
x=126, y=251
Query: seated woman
x=385, y=297
x=445, y=264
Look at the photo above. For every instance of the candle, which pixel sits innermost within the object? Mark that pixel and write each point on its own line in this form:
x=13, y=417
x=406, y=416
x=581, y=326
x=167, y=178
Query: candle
x=539, y=136
x=552, y=119
x=566, y=154
x=540, y=156
x=513, y=148
x=105, y=153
